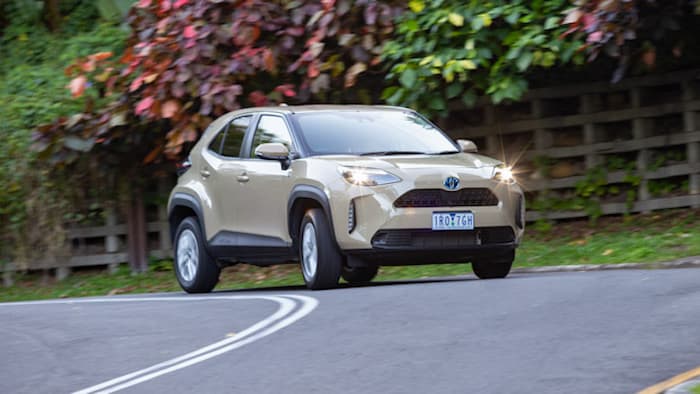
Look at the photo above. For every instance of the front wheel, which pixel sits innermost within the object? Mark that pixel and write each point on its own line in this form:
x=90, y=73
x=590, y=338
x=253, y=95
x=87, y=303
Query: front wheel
x=494, y=267
x=195, y=270
x=321, y=260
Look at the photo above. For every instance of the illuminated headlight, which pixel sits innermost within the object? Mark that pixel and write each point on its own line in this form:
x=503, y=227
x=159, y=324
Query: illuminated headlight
x=362, y=176
x=504, y=174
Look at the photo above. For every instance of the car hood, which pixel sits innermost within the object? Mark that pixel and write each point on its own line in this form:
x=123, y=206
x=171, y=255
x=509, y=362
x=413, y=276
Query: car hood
x=408, y=162
x=455, y=164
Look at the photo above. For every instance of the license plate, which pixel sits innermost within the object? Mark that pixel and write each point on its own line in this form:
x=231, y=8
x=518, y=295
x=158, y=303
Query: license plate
x=453, y=221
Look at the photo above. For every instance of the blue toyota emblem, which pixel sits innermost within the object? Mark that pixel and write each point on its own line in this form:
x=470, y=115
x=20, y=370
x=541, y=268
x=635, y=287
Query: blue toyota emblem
x=451, y=183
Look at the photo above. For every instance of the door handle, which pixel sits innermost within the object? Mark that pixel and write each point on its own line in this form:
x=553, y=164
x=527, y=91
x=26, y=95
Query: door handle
x=205, y=173
x=243, y=178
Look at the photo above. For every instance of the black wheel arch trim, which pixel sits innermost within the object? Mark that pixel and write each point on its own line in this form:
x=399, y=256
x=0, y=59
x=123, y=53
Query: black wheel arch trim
x=181, y=199
x=313, y=193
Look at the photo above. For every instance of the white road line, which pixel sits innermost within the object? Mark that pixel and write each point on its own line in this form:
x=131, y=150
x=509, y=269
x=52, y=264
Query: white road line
x=282, y=318
x=308, y=305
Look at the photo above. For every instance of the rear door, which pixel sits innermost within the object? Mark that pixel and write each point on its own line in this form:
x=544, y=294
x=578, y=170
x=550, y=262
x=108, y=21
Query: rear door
x=224, y=167
x=265, y=186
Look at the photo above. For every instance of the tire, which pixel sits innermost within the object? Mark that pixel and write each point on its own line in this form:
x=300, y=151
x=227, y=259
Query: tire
x=320, y=258
x=195, y=270
x=358, y=275
x=494, y=268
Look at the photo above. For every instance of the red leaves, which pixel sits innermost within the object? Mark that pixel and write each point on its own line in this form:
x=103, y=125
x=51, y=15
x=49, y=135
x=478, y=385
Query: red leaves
x=144, y=105
x=169, y=109
x=270, y=61
x=77, y=86
x=313, y=71
x=153, y=155
x=188, y=62
x=246, y=35
x=287, y=90
x=100, y=56
x=136, y=83
x=596, y=36
x=189, y=32
x=258, y=98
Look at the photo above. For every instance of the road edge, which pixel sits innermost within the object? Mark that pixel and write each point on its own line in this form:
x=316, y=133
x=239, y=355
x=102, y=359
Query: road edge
x=669, y=384
x=685, y=262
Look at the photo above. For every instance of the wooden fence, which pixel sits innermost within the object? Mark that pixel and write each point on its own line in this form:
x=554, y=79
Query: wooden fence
x=641, y=137
x=103, y=245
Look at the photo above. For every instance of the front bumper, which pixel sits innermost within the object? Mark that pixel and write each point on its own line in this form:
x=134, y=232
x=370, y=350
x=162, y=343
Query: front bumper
x=421, y=246
x=375, y=214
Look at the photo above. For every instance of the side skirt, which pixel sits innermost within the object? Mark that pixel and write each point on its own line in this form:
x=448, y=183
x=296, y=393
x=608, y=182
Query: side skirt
x=232, y=247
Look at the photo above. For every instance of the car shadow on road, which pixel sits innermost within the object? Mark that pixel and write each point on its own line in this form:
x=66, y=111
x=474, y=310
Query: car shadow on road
x=349, y=286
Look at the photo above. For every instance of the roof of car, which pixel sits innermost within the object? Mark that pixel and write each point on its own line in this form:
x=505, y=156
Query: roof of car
x=291, y=109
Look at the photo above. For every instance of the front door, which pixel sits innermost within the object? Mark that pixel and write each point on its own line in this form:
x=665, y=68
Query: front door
x=265, y=186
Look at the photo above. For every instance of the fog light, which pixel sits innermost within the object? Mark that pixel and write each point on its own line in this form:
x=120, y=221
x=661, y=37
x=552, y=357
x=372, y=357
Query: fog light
x=351, y=216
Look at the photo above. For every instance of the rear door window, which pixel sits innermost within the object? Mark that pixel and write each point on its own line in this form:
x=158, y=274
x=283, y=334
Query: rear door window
x=215, y=145
x=234, y=136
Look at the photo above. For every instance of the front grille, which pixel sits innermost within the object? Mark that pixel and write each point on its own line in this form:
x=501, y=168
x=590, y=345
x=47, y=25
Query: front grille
x=428, y=239
x=434, y=198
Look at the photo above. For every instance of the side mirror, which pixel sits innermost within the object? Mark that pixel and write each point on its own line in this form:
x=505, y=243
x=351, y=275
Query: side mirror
x=274, y=151
x=467, y=146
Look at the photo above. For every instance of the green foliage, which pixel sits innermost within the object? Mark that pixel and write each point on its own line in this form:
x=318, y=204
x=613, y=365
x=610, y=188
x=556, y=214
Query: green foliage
x=592, y=190
x=662, y=158
x=453, y=50
x=661, y=187
x=32, y=91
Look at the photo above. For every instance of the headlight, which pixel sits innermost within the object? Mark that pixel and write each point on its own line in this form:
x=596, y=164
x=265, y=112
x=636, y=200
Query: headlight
x=362, y=176
x=504, y=174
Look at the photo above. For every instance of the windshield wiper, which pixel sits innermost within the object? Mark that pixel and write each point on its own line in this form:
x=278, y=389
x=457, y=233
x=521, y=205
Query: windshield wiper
x=446, y=152
x=392, y=152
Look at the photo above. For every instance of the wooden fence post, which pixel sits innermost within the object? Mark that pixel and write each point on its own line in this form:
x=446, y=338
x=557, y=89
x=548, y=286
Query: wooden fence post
x=543, y=140
x=164, y=231
x=63, y=271
x=111, y=240
x=589, y=130
x=7, y=279
x=640, y=129
x=690, y=124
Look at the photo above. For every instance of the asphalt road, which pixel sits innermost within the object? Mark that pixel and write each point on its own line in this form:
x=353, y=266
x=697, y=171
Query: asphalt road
x=595, y=332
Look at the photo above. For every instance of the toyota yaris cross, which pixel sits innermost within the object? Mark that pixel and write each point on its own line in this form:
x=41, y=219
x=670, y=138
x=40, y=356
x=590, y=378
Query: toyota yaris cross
x=341, y=190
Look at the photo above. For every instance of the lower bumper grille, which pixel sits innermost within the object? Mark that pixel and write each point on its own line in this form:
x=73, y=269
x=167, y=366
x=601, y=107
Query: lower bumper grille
x=428, y=239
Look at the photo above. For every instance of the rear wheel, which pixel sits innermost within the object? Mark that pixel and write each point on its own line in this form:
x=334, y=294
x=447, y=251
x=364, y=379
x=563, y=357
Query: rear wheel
x=195, y=270
x=494, y=267
x=357, y=275
x=320, y=257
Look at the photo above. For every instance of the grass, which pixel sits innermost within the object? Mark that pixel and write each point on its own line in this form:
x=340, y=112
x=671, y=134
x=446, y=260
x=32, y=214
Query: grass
x=695, y=390
x=640, y=238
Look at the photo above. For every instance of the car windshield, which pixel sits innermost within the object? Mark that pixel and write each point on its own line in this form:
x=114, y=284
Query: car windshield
x=371, y=133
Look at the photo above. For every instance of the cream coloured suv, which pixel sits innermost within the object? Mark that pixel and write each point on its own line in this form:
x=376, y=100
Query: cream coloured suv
x=341, y=190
